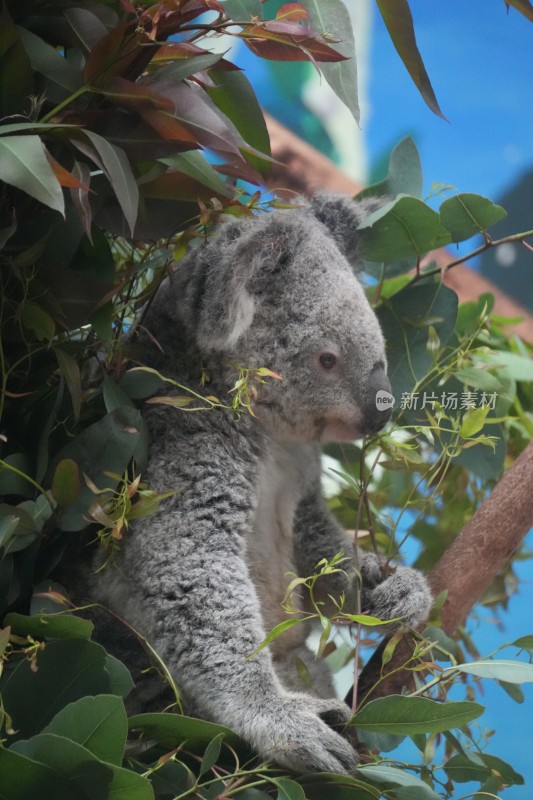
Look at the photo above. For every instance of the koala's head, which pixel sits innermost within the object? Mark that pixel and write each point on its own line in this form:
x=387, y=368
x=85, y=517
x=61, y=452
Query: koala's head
x=278, y=291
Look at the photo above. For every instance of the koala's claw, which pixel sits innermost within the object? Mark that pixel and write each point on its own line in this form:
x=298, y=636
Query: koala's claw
x=302, y=737
x=405, y=595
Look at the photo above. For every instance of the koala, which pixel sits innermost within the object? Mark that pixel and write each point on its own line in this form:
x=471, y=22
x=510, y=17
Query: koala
x=203, y=580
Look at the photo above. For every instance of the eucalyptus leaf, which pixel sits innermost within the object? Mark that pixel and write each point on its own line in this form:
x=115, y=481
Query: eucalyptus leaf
x=403, y=228
x=23, y=164
x=399, y=714
x=171, y=730
x=501, y=670
x=331, y=17
x=404, y=173
x=98, y=723
x=464, y=215
x=33, y=698
x=384, y=774
x=50, y=626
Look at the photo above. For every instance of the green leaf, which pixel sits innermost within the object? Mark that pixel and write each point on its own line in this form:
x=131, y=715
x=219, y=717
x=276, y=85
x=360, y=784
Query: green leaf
x=408, y=715
x=139, y=383
x=36, y=319
x=404, y=228
x=463, y=768
x=184, y=67
x=473, y=421
x=106, y=446
x=16, y=80
x=337, y=787
x=120, y=680
x=195, y=166
x=22, y=778
x=288, y=789
x=69, y=369
x=114, y=163
x=243, y=10
x=382, y=773
x=62, y=77
x=211, y=754
x=50, y=626
x=98, y=723
x=280, y=628
x=479, y=378
x=114, y=396
x=467, y=214
x=69, y=761
x=501, y=670
x=399, y=21
x=72, y=760
x=331, y=17
x=23, y=164
x=524, y=642
x=235, y=97
x=11, y=482
x=513, y=690
x=519, y=367
x=405, y=318
x=171, y=730
x=34, y=698
x=66, y=482
x=17, y=529
x=404, y=173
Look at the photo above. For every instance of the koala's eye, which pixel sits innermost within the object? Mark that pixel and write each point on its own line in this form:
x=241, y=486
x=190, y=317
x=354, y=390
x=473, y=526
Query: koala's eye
x=328, y=360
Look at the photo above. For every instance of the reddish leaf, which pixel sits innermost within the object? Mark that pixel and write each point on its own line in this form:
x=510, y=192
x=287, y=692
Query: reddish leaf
x=179, y=51
x=106, y=59
x=64, y=177
x=292, y=11
x=286, y=41
x=168, y=126
x=178, y=186
x=399, y=21
x=130, y=94
x=199, y=115
x=240, y=169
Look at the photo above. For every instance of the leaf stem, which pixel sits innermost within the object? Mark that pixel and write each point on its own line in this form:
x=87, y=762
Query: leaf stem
x=488, y=244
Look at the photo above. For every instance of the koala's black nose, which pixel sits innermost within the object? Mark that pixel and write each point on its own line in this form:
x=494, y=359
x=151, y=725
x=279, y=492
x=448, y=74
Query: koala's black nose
x=379, y=401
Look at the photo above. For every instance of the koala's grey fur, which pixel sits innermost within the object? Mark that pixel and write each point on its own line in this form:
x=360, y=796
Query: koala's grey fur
x=204, y=578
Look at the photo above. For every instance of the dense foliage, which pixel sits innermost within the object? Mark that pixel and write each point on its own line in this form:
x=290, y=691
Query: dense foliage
x=125, y=132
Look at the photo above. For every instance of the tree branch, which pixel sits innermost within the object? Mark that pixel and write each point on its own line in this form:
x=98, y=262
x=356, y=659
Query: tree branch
x=468, y=566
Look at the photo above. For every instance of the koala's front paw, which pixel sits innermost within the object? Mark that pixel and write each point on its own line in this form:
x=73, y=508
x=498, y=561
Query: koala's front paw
x=405, y=594
x=300, y=733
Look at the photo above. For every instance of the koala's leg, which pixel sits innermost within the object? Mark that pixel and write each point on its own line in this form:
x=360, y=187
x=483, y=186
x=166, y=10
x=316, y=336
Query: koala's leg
x=182, y=580
x=318, y=535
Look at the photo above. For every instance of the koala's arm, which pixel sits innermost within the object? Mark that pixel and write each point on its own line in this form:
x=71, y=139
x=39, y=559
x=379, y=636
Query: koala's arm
x=182, y=579
x=404, y=594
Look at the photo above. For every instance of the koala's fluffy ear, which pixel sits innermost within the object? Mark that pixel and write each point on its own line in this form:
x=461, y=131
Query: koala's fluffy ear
x=253, y=252
x=341, y=215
